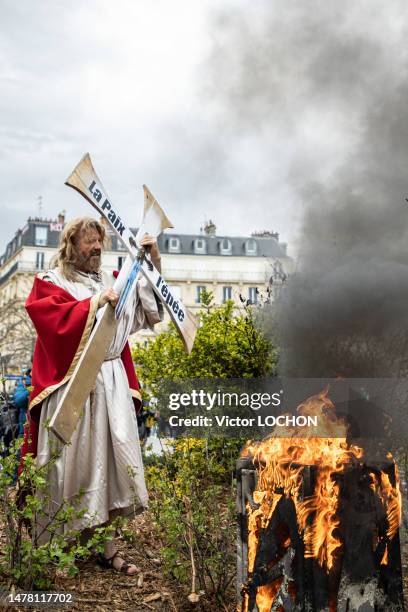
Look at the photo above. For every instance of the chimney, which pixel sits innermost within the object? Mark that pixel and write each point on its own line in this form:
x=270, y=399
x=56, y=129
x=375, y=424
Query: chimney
x=61, y=217
x=210, y=228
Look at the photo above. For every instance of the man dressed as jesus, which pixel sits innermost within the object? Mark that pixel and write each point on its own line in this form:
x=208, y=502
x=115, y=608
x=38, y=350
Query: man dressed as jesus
x=104, y=459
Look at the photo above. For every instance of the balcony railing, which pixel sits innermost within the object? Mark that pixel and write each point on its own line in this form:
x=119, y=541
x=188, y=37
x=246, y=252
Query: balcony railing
x=172, y=274
x=211, y=275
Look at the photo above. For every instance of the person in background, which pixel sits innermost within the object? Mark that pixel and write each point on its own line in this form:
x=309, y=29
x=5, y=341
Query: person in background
x=20, y=400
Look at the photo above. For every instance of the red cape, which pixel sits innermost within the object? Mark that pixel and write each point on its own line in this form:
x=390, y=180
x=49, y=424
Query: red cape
x=63, y=326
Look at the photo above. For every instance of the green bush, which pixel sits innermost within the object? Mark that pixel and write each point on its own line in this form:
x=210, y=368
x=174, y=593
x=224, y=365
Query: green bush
x=227, y=345
x=192, y=487
x=194, y=513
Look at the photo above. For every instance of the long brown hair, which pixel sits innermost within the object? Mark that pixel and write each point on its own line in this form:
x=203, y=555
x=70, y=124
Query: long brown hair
x=67, y=255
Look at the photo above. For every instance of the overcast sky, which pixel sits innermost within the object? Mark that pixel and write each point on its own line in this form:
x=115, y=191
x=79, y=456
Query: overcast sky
x=206, y=102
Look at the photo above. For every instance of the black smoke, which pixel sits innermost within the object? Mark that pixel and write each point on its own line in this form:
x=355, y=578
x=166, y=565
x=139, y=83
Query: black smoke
x=330, y=80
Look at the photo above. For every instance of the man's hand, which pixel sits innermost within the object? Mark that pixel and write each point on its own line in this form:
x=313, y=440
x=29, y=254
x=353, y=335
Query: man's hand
x=150, y=244
x=109, y=295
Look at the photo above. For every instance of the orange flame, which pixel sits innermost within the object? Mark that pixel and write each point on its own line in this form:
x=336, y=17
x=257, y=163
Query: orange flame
x=281, y=462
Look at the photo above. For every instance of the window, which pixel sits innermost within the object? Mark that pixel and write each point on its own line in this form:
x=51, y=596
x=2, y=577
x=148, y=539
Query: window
x=200, y=246
x=119, y=245
x=174, y=245
x=41, y=235
x=200, y=289
x=253, y=295
x=225, y=247
x=120, y=262
x=226, y=293
x=251, y=247
x=39, y=260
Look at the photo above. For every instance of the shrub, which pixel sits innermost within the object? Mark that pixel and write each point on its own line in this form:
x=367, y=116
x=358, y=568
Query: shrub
x=194, y=513
x=192, y=487
x=29, y=561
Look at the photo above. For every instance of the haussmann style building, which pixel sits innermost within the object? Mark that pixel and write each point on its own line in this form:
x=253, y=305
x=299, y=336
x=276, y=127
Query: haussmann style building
x=238, y=268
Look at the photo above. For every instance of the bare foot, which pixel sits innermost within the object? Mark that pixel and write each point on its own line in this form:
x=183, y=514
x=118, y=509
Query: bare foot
x=120, y=565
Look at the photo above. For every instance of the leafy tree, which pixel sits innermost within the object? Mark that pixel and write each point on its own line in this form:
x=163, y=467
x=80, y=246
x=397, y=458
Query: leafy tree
x=227, y=345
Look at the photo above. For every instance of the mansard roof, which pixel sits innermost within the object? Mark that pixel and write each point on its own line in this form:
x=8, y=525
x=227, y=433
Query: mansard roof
x=187, y=244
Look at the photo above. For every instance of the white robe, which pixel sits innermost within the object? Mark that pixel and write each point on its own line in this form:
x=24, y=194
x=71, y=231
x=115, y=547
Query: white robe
x=104, y=458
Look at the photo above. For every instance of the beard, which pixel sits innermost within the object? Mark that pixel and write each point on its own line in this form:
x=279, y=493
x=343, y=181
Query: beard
x=90, y=262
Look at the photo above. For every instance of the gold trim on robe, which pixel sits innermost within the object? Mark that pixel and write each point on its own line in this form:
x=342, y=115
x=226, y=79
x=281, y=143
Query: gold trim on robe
x=93, y=307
